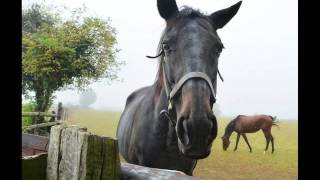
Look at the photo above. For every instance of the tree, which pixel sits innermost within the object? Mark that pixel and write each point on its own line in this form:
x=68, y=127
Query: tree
x=60, y=54
x=36, y=16
x=87, y=98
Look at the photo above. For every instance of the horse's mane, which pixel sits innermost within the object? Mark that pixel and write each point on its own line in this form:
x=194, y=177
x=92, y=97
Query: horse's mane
x=185, y=12
x=159, y=77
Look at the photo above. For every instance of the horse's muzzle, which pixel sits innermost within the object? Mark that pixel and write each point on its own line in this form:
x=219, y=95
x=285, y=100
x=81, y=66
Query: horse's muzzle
x=195, y=135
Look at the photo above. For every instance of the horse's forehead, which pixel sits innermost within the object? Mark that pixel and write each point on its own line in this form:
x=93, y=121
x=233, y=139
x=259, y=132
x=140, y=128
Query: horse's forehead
x=198, y=26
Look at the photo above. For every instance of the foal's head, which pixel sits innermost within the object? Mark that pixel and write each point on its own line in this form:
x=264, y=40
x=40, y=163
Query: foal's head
x=225, y=143
x=190, y=43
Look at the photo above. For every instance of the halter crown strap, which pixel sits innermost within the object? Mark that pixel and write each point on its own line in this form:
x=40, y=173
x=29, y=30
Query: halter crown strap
x=188, y=76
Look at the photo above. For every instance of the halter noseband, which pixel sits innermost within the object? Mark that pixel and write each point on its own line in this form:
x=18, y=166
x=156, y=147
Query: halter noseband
x=171, y=92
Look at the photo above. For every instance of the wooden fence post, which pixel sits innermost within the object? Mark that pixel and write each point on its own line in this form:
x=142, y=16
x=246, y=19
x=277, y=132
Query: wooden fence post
x=74, y=154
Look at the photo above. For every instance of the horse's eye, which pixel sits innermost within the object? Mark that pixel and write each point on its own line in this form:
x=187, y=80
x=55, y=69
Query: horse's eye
x=165, y=46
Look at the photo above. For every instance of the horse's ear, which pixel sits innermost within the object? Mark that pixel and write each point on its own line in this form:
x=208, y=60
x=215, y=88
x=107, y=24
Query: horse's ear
x=167, y=8
x=222, y=17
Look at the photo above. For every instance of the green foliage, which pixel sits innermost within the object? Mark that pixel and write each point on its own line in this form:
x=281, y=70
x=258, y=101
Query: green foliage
x=28, y=107
x=36, y=16
x=60, y=54
x=87, y=98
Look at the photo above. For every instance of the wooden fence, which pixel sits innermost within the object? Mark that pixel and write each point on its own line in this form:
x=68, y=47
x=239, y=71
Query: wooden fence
x=73, y=153
x=56, y=118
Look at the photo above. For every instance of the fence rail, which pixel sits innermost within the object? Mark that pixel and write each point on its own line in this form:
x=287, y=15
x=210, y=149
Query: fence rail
x=32, y=114
x=55, y=118
x=41, y=125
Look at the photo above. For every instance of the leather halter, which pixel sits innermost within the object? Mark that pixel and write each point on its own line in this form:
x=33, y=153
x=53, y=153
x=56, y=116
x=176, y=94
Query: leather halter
x=171, y=92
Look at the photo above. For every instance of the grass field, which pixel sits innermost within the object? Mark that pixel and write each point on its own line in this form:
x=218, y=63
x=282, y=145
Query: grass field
x=224, y=165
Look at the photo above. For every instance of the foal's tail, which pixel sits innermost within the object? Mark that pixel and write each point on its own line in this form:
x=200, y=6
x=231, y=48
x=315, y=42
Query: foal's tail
x=274, y=121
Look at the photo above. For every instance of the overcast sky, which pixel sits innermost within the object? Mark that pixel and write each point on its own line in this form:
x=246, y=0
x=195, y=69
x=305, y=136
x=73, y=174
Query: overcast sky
x=259, y=63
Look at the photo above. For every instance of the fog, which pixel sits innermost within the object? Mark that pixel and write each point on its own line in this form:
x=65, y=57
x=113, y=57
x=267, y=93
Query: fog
x=259, y=64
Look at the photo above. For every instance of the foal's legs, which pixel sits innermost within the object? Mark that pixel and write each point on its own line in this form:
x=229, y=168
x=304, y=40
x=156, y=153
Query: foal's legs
x=272, y=144
x=245, y=138
x=238, y=137
x=267, y=144
x=267, y=136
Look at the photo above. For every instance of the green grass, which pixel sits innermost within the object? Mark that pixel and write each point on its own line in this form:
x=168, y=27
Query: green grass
x=283, y=164
x=98, y=122
x=223, y=165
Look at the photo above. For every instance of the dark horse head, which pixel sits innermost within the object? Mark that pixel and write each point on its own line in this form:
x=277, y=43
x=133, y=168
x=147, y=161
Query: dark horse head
x=190, y=48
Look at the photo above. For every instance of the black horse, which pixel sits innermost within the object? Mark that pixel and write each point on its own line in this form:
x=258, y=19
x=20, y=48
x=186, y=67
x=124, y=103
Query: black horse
x=170, y=124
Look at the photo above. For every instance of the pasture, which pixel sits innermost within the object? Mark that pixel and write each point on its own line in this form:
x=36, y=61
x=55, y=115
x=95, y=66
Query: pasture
x=224, y=165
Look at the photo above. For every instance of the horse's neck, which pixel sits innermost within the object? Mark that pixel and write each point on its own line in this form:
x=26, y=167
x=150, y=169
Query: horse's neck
x=161, y=102
x=229, y=130
x=227, y=134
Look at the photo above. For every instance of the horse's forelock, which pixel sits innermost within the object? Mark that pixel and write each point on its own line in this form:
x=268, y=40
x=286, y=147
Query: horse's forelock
x=187, y=11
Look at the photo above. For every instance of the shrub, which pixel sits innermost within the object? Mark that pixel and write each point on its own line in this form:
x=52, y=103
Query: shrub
x=28, y=107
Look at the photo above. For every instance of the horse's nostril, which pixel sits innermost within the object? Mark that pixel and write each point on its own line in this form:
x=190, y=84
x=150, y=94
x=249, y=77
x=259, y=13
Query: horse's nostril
x=182, y=130
x=186, y=138
x=214, y=129
x=212, y=117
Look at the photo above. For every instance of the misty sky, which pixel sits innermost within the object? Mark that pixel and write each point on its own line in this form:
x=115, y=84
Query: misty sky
x=259, y=63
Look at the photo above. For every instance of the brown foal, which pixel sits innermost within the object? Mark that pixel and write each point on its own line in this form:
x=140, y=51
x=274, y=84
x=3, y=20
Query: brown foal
x=249, y=124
